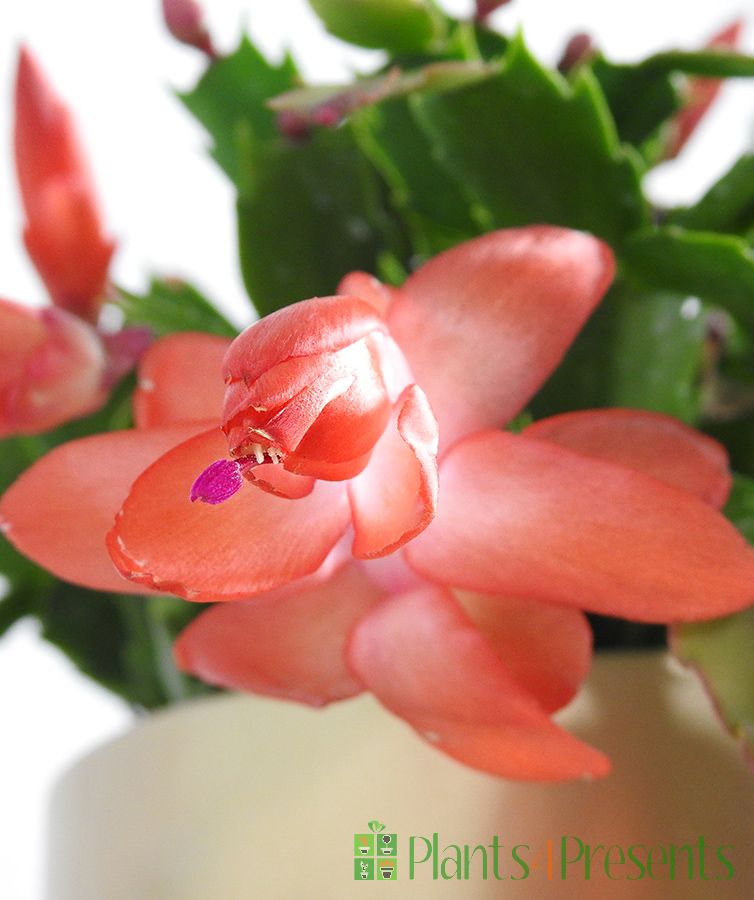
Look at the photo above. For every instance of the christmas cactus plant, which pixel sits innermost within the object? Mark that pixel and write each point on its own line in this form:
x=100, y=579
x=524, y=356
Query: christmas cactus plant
x=494, y=408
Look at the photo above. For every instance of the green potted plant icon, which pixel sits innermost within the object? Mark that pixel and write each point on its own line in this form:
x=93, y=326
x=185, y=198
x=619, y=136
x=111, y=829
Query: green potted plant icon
x=387, y=869
x=364, y=843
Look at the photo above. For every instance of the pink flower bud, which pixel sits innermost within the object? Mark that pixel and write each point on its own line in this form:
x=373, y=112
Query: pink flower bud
x=485, y=8
x=578, y=48
x=185, y=21
x=63, y=232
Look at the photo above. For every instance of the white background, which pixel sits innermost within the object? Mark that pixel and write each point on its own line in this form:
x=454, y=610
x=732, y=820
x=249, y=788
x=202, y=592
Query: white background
x=171, y=210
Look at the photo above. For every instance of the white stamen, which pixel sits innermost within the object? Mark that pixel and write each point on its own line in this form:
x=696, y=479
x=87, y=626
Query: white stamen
x=258, y=452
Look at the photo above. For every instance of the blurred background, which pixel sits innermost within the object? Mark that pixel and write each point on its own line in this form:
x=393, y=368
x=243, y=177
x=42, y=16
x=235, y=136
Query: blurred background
x=172, y=211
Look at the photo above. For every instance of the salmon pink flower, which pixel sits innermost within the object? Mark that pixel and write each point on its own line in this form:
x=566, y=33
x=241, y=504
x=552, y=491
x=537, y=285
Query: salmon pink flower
x=460, y=605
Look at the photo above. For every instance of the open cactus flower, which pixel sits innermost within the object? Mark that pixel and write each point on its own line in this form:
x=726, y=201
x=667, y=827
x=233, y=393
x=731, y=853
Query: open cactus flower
x=341, y=474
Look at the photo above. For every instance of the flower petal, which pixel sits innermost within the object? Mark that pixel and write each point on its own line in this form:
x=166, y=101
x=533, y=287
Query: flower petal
x=251, y=543
x=338, y=417
x=426, y=662
x=52, y=369
x=483, y=324
x=546, y=649
x=657, y=445
x=180, y=380
x=21, y=330
x=524, y=518
x=368, y=288
x=284, y=644
x=278, y=481
x=392, y=573
x=395, y=497
x=80, y=486
x=310, y=328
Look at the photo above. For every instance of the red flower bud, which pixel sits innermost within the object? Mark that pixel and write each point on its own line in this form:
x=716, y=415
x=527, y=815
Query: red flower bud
x=63, y=232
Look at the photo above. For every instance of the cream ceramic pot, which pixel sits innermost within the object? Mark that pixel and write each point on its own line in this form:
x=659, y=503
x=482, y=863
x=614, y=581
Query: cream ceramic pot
x=239, y=798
